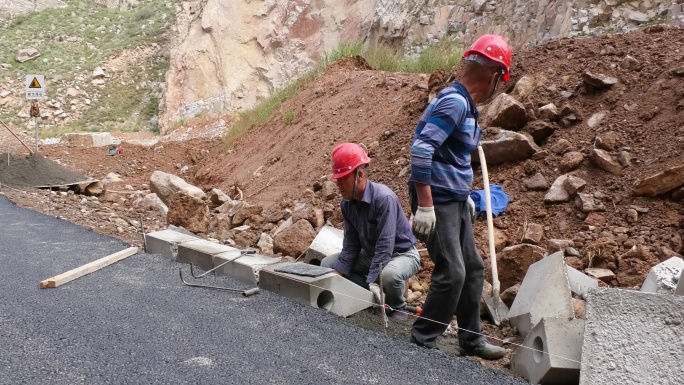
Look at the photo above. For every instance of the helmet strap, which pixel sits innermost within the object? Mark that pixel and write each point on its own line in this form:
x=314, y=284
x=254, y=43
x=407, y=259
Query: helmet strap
x=496, y=85
x=356, y=180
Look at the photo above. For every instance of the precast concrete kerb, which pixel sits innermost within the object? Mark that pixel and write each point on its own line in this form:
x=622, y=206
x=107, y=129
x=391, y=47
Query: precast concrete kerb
x=325, y=289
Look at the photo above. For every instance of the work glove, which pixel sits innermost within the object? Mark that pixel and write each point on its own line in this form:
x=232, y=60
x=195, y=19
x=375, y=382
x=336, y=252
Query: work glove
x=473, y=212
x=375, y=289
x=424, y=222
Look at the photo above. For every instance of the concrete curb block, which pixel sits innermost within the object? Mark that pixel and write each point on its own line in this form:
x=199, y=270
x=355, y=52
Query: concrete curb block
x=663, y=277
x=201, y=252
x=165, y=242
x=559, y=337
x=632, y=338
x=580, y=283
x=323, y=292
x=244, y=269
x=327, y=242
x=545, y=292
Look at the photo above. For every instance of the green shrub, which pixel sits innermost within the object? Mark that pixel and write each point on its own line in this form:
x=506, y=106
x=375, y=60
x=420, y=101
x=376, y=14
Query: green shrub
x=443, y=55
x=102, y=33
x=288, y=117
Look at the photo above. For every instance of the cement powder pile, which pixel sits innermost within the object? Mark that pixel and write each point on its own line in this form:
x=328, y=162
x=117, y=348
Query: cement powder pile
x=35, y=171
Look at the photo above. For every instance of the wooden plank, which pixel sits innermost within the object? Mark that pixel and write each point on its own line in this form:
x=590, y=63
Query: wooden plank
x=88, y=268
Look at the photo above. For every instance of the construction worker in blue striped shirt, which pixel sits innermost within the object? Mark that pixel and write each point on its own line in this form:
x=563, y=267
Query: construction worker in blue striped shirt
x=440, y=183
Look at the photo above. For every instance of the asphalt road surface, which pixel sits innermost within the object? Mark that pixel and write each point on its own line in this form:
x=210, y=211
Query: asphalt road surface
x=135, y=323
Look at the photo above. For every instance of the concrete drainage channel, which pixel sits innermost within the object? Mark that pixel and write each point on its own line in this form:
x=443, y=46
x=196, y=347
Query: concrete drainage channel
x=305, y=283
x=557, y=348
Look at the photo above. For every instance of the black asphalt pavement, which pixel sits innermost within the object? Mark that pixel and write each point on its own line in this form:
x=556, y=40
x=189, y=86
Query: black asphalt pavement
x=135, y=323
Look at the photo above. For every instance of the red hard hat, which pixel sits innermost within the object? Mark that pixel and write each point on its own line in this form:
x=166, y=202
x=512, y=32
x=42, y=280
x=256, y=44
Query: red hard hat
x=346, y=158
x=494, y=48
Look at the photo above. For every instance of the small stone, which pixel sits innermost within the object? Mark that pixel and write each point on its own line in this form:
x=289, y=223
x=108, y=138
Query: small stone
x=630, y=63
x=572, y=252
x=625, y=158
x=533, y=234
x=606, y=141
x=561, y=147
x=640, y=210
x=416, y=286
x=594, y=219
x=632, y=216
x=579, y=306
x=599, y=81
x=537, y=183
x=604, y=275
x=596, y=119
x=605, y=161
x=414, y=296
x=570, y=161
x=574, y=184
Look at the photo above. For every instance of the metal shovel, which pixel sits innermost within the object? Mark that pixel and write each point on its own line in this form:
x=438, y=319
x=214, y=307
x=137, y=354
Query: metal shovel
x=497, y=310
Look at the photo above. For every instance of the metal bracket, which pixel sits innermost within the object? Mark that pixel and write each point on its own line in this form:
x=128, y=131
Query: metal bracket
x=245, y=293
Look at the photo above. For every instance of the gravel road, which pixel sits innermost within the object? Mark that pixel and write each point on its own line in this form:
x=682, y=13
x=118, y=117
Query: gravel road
x=135, y=323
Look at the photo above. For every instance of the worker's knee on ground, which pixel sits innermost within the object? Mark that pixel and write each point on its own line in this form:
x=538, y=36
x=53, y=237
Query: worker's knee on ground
x=330, y=260
x=391, y=277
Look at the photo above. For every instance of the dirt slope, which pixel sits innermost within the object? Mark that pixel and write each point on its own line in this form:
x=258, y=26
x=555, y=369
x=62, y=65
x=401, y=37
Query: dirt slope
x=350, y=103
x=276, y=163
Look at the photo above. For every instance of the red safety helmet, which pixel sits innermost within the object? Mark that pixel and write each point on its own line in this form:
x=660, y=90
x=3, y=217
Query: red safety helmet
x=346, y=158
x=494, y=48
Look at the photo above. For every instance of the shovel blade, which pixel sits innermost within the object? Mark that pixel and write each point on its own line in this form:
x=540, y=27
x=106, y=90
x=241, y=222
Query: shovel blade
x=497, y=310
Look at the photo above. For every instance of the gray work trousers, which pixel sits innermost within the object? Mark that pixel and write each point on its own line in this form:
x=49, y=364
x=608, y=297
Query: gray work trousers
x=457, y=279
x=401, y=267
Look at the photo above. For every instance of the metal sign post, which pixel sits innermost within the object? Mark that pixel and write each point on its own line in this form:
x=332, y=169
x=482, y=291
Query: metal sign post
x=35, y=114
x=35, y=90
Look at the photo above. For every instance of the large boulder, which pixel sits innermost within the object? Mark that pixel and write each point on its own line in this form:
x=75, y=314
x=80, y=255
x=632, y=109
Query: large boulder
x=189, y=212
x=509, y=146
x=295, y=239
x=27, y=54
x=219, y=197
x=219, y=227
x=514, y=261
x=506, y=112
x=245, y=212
x=660, y=183
x=151, y=202
x=167, y=185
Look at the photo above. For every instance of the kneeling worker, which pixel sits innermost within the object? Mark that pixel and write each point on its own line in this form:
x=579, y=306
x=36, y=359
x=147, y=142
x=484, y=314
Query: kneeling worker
x=376, y=231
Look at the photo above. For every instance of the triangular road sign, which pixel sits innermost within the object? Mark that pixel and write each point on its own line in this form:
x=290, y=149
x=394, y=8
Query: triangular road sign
x=35, y=84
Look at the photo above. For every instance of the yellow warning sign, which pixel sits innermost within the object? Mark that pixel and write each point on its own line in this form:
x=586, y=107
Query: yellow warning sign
x=35, y=84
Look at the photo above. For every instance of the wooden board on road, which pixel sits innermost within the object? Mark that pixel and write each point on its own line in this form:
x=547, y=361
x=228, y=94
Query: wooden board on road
x=88, y=268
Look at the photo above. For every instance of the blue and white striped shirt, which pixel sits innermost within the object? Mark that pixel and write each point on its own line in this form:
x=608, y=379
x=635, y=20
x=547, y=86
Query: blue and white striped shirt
x=445, y=136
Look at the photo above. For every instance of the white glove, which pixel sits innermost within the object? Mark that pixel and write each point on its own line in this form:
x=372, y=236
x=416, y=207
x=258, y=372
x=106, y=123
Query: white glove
x=424, y=222
x=375, y=289
x=473, y=212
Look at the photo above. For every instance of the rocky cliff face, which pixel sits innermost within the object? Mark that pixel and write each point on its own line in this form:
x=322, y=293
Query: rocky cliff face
x=231, y=54
x=9, y=9
x=228, y=55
